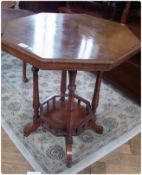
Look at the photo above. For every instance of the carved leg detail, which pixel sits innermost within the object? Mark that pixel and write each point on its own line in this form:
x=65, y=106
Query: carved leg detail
x=69, y=141
x=36, y=119
x=63, y=83
x=31, y=127
x=24, y=76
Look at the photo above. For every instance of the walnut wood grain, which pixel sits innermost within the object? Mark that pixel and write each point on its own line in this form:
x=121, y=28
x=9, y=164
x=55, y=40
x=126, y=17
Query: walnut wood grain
x=68, y=42
x=31, y=127
x=99, y=44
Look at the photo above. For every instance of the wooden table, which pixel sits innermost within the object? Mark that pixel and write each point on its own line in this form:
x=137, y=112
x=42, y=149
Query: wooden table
x=68, y=42
x=9, y=14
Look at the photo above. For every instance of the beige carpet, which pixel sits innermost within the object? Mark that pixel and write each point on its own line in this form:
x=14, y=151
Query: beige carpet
x=119, y=116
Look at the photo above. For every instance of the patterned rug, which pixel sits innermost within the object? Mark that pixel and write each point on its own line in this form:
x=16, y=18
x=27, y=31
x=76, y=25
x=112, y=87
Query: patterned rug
x=46, y=152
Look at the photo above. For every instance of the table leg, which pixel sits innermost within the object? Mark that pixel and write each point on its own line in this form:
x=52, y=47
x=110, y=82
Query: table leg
x=95, y=101
x=63, y=84
x=24, y=77
x=69, y=140
x=36, y=119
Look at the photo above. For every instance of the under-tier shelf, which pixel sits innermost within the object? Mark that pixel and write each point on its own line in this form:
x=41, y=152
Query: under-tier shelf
x=54, y=114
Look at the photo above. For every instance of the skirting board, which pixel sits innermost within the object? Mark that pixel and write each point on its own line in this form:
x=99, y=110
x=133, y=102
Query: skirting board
x=82, y=164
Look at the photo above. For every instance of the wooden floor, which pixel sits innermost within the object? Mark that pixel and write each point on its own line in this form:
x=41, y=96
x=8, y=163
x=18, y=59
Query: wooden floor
x=125, y=159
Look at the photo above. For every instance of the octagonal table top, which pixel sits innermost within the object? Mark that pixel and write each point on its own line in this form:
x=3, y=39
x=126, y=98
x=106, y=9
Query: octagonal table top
x=69, y=41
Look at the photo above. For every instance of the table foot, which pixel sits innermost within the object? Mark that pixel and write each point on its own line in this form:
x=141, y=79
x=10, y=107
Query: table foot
x=97, y=128
x=31, y=127
x=69, y=154
x=25, y=80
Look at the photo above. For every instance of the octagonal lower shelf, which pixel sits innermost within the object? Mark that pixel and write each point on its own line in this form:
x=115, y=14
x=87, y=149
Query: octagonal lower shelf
x=54, y=114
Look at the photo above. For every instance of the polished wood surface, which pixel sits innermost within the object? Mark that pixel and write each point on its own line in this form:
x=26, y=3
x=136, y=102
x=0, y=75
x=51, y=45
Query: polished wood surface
x=9, y=14
x=70, y=40
x=69, y=43
x=69, y=114
x=127, y=76
x=31, y=127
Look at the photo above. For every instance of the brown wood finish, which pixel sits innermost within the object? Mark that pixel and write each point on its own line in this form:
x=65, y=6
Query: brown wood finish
x=9, y=14
x=24, y=67
x=125, y=12
x=104, y=47
x=68, y=117
x=36, y=118
x=41, y=6
x=71, y=45
x=95, y=99
x=63, y=84
x=69, y=139
x=127, y=76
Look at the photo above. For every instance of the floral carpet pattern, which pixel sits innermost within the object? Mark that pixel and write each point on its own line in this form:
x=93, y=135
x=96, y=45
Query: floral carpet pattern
x=116, y=113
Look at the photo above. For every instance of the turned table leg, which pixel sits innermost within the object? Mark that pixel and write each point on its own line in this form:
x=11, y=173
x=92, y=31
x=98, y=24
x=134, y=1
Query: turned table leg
x=63, y=84
x=36, y=119
x=69, y=140
x=24, y=77
x=95, y=101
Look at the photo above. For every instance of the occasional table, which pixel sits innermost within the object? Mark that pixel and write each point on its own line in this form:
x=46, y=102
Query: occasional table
x=71, y=43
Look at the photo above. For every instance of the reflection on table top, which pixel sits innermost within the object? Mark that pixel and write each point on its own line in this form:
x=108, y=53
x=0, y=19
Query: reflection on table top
x=72, y=38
